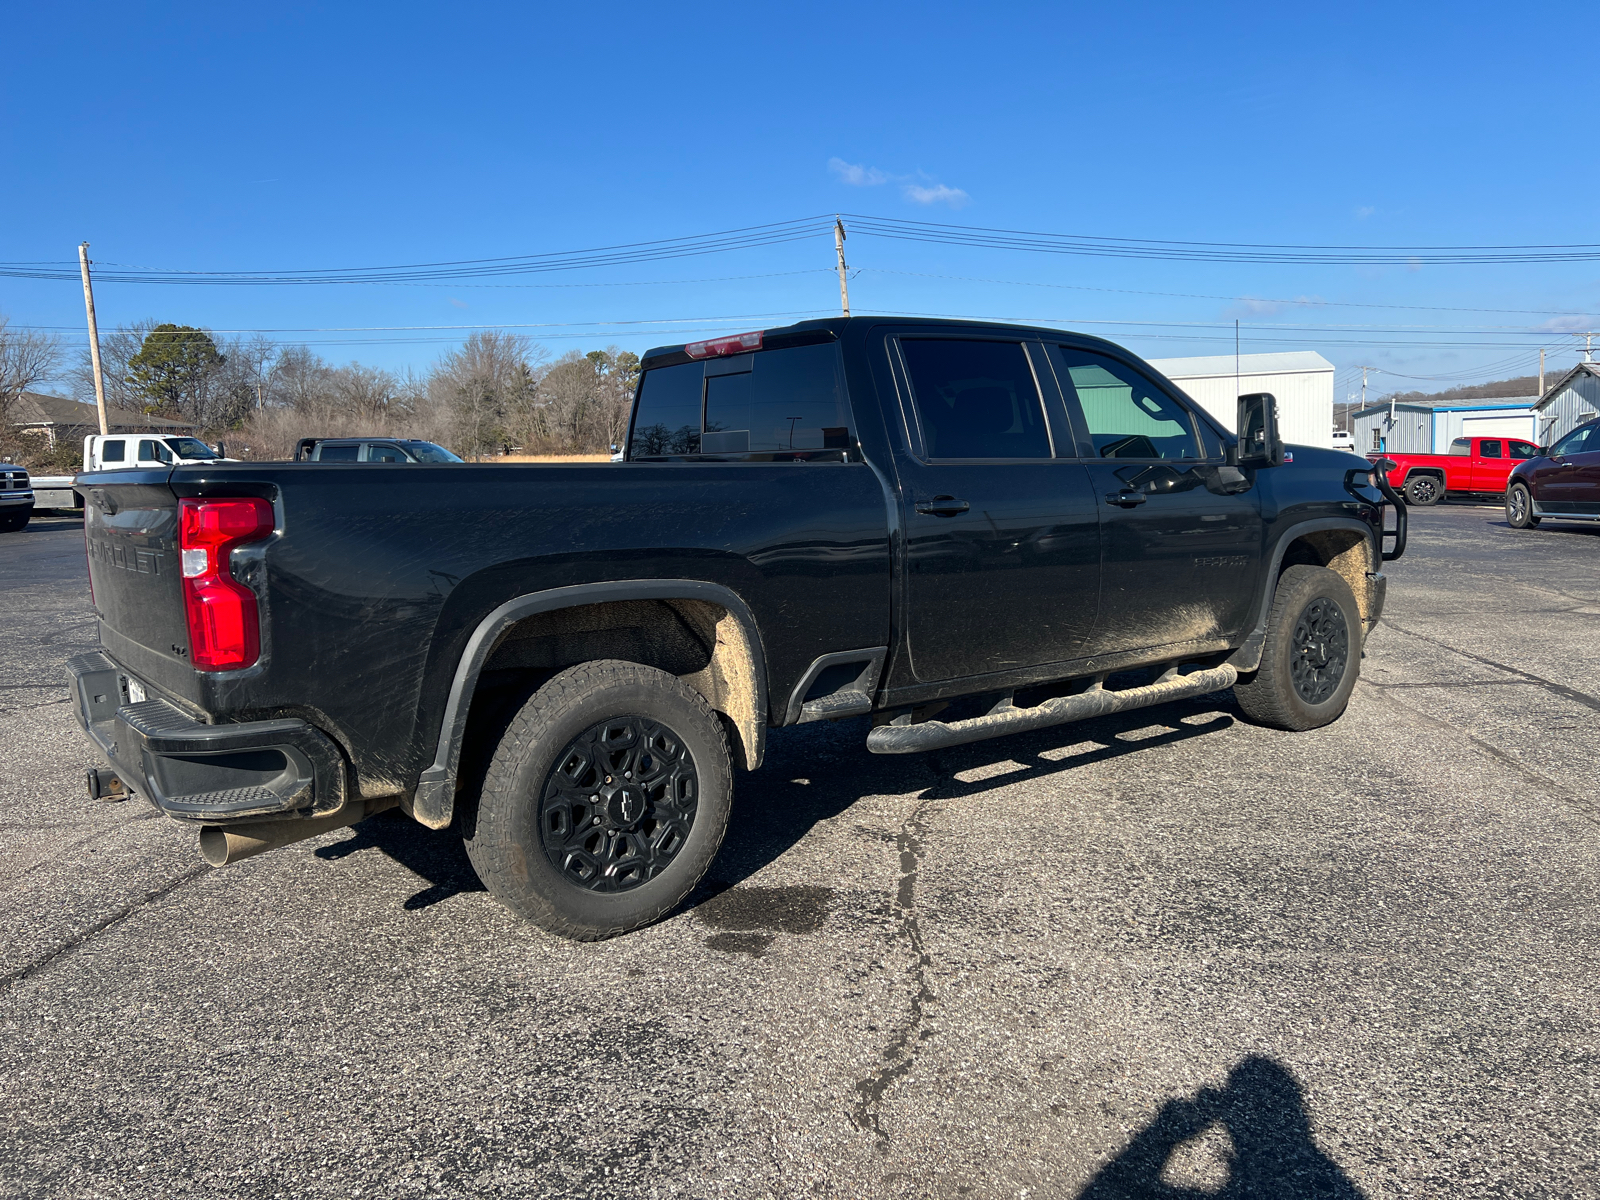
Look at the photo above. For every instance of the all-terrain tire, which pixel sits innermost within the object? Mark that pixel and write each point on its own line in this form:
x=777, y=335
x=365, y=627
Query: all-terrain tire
x=1519, y=508
x=1423, y=490
x=15, y=522
x=559, y=838
x=1312, y=655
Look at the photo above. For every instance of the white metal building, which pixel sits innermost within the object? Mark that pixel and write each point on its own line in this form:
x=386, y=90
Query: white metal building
x=1423, y=428
x=1302, y=380
x=1569, y=402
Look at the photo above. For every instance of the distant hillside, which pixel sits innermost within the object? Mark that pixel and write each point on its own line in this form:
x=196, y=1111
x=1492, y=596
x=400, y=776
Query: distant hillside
x=1525, y=385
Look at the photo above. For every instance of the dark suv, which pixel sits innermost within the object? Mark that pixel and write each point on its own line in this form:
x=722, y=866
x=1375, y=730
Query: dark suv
x=371, y=450
x=1563, y=483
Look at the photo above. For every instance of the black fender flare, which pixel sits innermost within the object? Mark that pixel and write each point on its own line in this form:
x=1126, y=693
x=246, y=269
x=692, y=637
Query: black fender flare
x=1248, y=656
x=433, y=803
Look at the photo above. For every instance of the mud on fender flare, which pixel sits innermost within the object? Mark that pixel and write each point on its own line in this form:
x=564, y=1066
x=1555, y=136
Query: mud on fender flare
x=434, y=801
x=1248, y=656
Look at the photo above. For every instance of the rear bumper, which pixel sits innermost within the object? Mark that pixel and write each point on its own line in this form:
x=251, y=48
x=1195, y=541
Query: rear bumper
x=210, y=774
x=56, y=498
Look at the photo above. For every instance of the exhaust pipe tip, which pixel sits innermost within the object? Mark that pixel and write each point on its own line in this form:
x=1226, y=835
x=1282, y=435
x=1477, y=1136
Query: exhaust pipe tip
x=224, y=844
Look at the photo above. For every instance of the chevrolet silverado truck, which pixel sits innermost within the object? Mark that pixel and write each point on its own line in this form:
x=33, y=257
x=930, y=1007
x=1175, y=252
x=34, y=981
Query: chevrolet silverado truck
x=1474, y=465
x=953, y=530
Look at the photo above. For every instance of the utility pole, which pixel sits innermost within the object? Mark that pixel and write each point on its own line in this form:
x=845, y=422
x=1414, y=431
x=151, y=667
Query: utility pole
x=1588, y=343
x=838, y=245
x=94, y=338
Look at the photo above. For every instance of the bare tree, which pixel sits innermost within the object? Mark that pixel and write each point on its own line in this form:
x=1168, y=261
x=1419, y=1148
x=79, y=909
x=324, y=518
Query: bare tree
x=27, y=358
x=116, y=348
x=489, y=386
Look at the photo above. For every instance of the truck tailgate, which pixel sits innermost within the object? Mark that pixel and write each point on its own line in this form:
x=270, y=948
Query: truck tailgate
x=130, y=528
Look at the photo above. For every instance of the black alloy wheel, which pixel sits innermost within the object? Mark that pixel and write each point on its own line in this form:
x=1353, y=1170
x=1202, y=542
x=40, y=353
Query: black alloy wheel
x=1311, y=656
x=1423, y=490
x=1519, y=508
x=1321, y=650
x=605, y=801
x=619, y=804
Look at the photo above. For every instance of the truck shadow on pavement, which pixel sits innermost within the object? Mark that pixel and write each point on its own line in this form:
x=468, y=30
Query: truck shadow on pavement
x=813, y=773
x=441, y=859
x=1247, y=1140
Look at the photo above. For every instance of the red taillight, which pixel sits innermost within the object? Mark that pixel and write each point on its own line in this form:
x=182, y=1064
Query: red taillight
x=737, y=344
x=224, y=624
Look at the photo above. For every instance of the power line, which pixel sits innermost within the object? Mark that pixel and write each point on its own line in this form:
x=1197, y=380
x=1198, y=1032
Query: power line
x=1231, y=252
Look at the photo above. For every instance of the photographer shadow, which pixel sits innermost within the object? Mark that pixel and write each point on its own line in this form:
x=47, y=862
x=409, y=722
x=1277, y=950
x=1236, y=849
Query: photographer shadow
x=1271, y=1154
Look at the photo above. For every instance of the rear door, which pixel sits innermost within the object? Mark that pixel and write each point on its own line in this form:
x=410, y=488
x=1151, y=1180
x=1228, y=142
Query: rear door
x=1001, y=530
x=1180, y=556
x=1490, y=466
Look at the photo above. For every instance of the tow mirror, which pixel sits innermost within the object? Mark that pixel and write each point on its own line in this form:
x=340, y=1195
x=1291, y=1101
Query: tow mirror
x=222, y=449
x=1259, y=442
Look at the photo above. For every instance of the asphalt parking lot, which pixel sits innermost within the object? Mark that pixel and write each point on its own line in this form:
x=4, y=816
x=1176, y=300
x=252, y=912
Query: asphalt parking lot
x=1164, y=954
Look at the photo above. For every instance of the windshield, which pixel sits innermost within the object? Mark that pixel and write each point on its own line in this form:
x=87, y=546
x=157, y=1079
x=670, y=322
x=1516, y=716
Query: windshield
x=187, y=447
x=428, y=452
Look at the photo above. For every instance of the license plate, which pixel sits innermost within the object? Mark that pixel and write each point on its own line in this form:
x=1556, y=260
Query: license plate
x=136, y=694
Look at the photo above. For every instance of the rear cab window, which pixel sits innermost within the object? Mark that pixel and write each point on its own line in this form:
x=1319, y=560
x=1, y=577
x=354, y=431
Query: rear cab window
x=786, y=404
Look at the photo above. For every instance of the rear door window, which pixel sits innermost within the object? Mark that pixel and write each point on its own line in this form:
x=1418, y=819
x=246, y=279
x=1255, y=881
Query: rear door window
x=975, y=399
x=1126, y=414
x=337, y=453
x=1489, y=448
x=113, y=451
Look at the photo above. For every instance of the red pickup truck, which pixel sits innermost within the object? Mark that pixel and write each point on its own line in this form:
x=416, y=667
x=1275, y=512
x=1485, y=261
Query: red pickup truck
x=1476, y=464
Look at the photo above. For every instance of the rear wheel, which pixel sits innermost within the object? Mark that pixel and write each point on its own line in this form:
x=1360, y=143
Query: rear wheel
x=1312, y=654
x=13, y=521
x=1423, y=490
x=1519, y=508
x=605, y=802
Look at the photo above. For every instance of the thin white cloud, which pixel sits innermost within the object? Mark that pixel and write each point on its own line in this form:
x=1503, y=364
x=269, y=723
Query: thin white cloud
x=457, y=303
x=937, y=194
x=855, y=174
x=918, y=188
x=1365, y=211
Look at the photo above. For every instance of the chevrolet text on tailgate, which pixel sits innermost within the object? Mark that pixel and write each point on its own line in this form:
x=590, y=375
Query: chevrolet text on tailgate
x=956, y=530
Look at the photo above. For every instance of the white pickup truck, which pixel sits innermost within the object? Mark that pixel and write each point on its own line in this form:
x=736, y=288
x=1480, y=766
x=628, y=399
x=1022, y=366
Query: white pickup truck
x=111, y=451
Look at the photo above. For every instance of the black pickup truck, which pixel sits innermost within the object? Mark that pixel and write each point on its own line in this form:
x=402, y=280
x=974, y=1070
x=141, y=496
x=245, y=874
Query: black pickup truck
x=959, y=530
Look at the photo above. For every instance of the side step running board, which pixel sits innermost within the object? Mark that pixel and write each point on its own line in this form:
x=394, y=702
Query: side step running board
x=1096, y=702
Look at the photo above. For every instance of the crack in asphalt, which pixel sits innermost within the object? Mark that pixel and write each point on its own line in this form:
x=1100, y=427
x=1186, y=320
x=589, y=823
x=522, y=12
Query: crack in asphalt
x=1566, y=795
x=80, y=939
x=901, y=1053
x=1559, y=689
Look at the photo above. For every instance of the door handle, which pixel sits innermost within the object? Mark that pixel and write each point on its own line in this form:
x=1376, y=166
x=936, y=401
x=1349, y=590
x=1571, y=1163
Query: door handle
x=1125, y=499
x=942, y=506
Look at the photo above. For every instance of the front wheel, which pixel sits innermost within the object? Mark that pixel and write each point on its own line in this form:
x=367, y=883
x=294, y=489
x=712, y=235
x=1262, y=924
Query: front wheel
x=1312, y=654
x=1519, y=508
x=1423, y=490
x=14, y=521
x=605, y=801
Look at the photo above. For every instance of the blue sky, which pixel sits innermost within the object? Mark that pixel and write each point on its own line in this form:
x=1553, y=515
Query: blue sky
x=225, y=137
